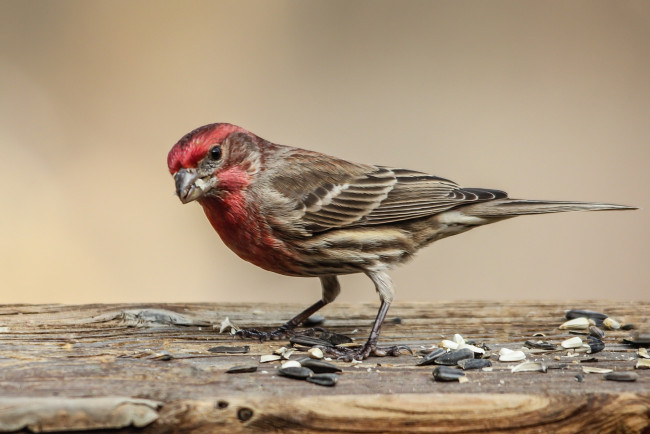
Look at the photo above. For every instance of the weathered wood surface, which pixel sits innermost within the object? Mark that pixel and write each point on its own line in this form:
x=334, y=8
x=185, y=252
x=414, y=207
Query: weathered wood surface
x=96, y=367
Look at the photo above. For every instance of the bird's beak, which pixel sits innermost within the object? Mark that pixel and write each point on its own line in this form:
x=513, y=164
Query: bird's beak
x=189, y=186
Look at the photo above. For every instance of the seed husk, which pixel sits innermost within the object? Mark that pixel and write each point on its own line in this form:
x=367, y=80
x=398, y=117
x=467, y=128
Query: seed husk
x=643, y=352
x=595, y=345
x=431, y=357
x=450, y=345
x=291, y=364
x=529, y=367
x=452, y=357
x=315, y=353
x=598, y=317
x=579, y=323
x=309, y=341
x=579, y=378
x=540, y=345
x=445, y=373
x=611, y=324
x=324, y=379
x=574, y=342
x=269, y=358
x=313, y=321
x=508, y=355
x=476, y=350
x=320, y=366
x=621, y=376
x=628, y=327
x=298, y=373
x=241, y=369
x=595, y=370
x=230, y=350
x=596, y=332
x=639, y=338
x=467, y=364
x=642, y=364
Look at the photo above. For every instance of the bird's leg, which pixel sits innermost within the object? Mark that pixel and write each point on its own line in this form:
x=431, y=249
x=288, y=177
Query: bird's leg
x=384, y=287
x=331, y=290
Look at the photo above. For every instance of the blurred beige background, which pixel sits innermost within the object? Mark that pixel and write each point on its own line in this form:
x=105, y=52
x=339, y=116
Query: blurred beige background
x=546, y=100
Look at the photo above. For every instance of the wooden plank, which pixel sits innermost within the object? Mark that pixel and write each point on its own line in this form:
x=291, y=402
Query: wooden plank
x=58, y=358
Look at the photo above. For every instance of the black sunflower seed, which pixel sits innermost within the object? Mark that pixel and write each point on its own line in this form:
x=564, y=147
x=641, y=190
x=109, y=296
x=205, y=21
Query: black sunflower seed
x=298, y=373
x=445, y=373
x=430, y=358
x=240, y=369
x=324, y=379
x=451, y=358
x=319, y=366
x=467, y=364
x=230, y=350
x=621, y=376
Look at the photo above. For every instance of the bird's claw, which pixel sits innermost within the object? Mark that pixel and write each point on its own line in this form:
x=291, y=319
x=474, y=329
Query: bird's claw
x=363, y=352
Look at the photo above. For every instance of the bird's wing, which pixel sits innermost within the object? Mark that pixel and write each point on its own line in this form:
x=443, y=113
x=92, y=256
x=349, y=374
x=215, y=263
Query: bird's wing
x=332, y=193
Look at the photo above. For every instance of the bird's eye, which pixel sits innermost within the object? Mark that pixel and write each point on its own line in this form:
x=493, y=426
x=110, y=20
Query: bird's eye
x=215, y=153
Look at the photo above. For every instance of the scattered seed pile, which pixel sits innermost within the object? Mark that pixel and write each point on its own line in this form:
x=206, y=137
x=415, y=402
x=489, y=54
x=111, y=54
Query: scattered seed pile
x=454, y=356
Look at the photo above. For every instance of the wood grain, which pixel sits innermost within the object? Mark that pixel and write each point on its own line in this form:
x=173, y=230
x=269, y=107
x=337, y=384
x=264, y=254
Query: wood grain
x=113, y=366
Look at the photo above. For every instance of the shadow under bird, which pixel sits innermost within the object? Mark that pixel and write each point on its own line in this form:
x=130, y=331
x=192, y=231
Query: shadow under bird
x=302, y=213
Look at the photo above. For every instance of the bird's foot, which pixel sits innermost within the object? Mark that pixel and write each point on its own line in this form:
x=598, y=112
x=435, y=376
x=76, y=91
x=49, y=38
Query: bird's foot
x=366, y=350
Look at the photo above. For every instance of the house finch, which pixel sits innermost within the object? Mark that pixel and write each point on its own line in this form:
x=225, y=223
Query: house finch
x=301, y=213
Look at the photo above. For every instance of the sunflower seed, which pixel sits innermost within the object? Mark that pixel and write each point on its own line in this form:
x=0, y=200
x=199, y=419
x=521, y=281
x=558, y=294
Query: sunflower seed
x=474, y=348
x=576, y=313
x=452, y=357
x=574, y=342
x=579, y=323
x=611, y=324
x=622, y=376
x=445, y=373
x=290, y=364
x=313, y=321
x=309, y=341
x=230, y=350
x=642, y=364
x=298, y=373
x=269, y=358
x=639, y=338
x=540, y=345
x=319, y=366
x=595, y=370
x=324, y=379
x=595, y=345
x=467, y=364
x=596, y=332
x=240, y=369
x=315, y=353
x=628, y=327
x=529, y=367
x=450, y=345
x=431, y=357
x=508, y=355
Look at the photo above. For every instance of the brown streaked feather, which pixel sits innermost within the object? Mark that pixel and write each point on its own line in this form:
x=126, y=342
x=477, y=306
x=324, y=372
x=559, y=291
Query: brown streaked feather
x=333, y=193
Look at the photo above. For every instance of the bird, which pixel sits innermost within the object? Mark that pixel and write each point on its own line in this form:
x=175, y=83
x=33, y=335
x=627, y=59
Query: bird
x=303, y=213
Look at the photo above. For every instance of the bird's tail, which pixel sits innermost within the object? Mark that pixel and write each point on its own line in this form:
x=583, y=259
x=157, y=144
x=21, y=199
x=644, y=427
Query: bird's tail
x=504, y=208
